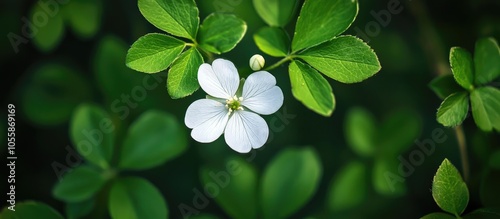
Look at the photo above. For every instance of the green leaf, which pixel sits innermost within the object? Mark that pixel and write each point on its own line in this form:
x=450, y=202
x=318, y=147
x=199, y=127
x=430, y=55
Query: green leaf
x=386, y=179
x=84, y=16
x=152, y=139
x=272, y=40
x=29, y=210
x=486, y=60
x=47, y=33
x=485, y=103
x=348, y=188
x=179, y=18
x=79, y=185
x=276, y=13
x=153, y=52
x=444, y=86
x=360, y=131
x=220, y=33
x=346, y=59
x=322, y=20
x=183, y=75
x=310, y=88
x=79, y=209
x=52, y=92
x=438, y=215
x=462, y=67
x=91, y=132
x=453, y=110
x=484, y=213
x=136, y=198
x=289, y=181
x=236, y=177
x=449, y=190
x=397, y=133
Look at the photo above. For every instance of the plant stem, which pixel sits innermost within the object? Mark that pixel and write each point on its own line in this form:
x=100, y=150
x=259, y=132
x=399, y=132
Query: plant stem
x=462, y=145
x=278, y=64
x=434, y=48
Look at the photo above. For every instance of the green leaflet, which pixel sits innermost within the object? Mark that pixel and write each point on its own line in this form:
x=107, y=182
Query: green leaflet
x=346, y=59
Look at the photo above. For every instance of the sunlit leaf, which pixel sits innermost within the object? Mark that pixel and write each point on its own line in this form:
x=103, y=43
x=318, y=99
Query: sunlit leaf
x=485, y=104
x=153, y=52
x=462, y=67
x=183, y=74
x=346, y=59
x=179, y=17
x=453, y=110
x=449, y=190
x=276, y=13
x=322, y=20
x=272, y=40
x=311, y=88
x=220, y=33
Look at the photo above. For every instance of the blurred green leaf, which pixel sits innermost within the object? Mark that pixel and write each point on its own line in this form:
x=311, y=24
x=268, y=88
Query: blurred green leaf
x=52, y=92
x=449, y=190
x=204, y=216
x=398, y=132
x=152, y=139
x=179, y=18
x=153, y=52
x=183, y=75
x=272, y=41
x=79, y=185
x=462, y=67
x=237, y=177
x=289, y=181
x=444, y=86
x=322, y=20
x=386, y=179
x=310, y=88
x=485, y=103
x=361, y=131
x=484, y=213
x=453, y=109
x=489, y=189
x=84, y=16
x=276, y=13
x=79, y=209
x=486, y=60
x=136, y=198
x=438, y=215
x=30, y=210
x=113, y=77
x=348, y=188
x=346, y=59
x=91, y=132
x=220, y=33
x=48, y=32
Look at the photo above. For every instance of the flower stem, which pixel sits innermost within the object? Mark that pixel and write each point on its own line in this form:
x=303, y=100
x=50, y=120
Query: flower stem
x=462, y=145
x=279, y=63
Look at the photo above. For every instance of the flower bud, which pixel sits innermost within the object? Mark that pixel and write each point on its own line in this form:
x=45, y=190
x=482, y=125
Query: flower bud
x=257, y=62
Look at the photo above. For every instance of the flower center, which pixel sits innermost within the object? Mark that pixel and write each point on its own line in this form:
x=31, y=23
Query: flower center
x=234, y=103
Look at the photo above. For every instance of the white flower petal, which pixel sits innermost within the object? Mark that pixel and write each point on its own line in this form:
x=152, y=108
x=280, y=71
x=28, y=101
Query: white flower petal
x=260, y=93
x=220, y=79
x=246, y=130
x=207, y=118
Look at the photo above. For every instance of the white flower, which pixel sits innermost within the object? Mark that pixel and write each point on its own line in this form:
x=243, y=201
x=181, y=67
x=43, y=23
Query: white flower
x=232, y=111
